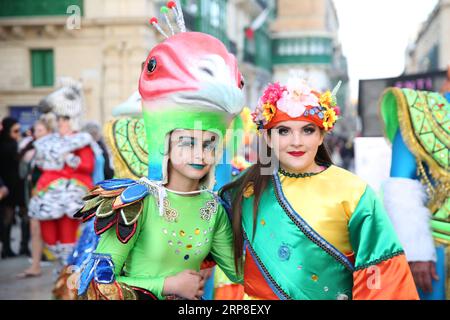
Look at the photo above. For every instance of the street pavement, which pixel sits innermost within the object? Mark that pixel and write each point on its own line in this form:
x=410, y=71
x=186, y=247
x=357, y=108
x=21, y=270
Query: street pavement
x=12, y=288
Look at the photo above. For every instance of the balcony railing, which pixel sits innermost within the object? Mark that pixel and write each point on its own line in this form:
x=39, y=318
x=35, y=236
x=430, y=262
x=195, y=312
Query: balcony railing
x=308, y=50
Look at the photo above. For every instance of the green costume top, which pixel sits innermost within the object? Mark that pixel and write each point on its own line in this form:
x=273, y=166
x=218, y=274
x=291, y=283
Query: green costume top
x=166, y=245
x=159, y=243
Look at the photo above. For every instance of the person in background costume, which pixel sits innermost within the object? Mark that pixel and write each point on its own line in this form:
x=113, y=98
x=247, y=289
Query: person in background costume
x=9, y=172
x=157, y=231
x=310, y=230
x=416, y=195
x=67, y=161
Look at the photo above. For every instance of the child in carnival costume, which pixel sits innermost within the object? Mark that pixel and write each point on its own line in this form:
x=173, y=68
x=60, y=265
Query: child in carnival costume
x=157, y=231
x=309, y=230
x=416, y=195
x=67, y=160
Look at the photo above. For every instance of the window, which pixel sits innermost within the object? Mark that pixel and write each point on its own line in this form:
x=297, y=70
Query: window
x=213, y=19
x=214, y=11
x=190, y=6
x=42, y=74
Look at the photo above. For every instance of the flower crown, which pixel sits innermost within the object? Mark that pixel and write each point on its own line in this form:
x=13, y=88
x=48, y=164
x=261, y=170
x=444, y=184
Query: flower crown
x=296, y=101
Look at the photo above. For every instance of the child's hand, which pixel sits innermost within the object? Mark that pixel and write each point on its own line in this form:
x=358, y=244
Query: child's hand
x=187, y=284
x=206, y=273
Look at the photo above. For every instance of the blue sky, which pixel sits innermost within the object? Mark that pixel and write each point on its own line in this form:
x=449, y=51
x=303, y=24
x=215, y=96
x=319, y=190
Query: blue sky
x=375, y=34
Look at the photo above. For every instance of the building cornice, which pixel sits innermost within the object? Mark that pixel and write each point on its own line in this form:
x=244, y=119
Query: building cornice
x=61, y=20
x=301, y=34
x=431, y=18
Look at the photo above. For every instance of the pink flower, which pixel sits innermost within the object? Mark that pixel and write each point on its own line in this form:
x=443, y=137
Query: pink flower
x=297, y=97
x=273, y=92
x=337, y=110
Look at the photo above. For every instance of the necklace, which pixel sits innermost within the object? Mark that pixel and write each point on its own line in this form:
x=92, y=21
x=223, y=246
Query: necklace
x=297, y=175
x=186, y=192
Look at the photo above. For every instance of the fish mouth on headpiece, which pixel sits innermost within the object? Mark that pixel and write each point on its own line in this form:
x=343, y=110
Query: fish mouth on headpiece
x=214, y=96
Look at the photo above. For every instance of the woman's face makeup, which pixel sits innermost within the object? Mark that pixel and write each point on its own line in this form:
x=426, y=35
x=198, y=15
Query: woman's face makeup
x=192, y=152
x=295, y=144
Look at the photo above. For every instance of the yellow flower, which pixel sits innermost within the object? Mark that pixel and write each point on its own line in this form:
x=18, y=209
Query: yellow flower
x=326, y=99
x=329, y=119
x=268, y=111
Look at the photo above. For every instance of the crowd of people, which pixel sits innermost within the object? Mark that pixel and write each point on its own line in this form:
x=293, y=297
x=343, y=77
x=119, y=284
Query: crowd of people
x=23, y=175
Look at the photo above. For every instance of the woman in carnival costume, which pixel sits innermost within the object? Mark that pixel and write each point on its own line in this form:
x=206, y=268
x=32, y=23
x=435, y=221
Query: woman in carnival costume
x=310, y=230
x=416, y=195
x=157, y=231
x=66, y=160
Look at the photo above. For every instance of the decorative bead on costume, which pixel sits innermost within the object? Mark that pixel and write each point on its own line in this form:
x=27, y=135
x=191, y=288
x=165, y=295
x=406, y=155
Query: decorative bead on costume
x=284, y=253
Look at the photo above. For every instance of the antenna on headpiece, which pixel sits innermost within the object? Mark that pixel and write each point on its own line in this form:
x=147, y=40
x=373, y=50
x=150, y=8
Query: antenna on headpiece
x=176, y=7
x=154, y=22
x=164, y=10
x=177, y=12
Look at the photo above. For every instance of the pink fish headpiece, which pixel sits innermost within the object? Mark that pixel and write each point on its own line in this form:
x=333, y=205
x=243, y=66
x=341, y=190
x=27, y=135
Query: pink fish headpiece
x=189, y=81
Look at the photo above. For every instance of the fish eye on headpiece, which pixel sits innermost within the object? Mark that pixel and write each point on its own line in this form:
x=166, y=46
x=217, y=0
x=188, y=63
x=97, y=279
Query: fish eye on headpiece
x=151, y=66
x=242, y=83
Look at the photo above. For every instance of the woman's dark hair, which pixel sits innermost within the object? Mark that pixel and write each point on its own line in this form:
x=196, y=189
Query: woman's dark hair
x=235, y=192
x=7, y=124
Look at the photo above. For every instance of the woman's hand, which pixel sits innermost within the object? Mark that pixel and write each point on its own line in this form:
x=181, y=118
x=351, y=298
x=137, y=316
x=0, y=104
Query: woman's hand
x=187, y=284
x=424, y=272
x=72, y=160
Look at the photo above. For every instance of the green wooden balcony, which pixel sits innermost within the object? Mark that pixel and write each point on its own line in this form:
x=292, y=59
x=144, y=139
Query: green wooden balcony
x=307, y=50
x=29, y=8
